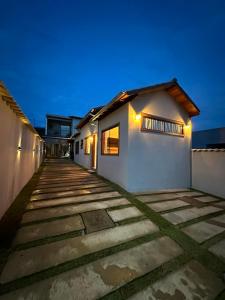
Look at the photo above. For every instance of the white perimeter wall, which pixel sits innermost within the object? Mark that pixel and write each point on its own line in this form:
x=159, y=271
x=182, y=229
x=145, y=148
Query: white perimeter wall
x=16, y=167
x=157, y=161
x=115, y=168
x=208, y=172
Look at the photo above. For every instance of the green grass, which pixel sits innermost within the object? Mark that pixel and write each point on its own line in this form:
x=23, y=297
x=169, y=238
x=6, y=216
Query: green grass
x=12, y=218
x=143, y=282
x=48, y=240
x=28, y=280
x=191, y=249
x=195, y=250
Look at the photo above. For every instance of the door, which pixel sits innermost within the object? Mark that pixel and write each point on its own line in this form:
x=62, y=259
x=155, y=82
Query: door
x=94, y=152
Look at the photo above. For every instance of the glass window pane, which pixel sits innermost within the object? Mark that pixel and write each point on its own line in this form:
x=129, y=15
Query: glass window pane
x=110, y=141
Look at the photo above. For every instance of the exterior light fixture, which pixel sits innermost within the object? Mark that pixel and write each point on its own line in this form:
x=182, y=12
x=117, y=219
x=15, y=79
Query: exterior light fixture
x=188, y=125
x=19, y=148
x=138, y=117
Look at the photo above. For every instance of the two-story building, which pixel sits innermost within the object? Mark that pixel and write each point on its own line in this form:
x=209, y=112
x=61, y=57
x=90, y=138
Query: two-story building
x=59, y=130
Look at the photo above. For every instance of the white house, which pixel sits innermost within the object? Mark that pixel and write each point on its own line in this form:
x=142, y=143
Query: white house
x=140, y=140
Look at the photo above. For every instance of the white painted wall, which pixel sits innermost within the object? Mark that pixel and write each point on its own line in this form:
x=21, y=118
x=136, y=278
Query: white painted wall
x=16, y=167
x=147, y=161
x=81, y=158
x=115, y=168
x=208, y=172
x=157, y=161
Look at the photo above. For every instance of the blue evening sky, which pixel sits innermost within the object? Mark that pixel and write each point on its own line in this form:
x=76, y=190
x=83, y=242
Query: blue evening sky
x=64, y=57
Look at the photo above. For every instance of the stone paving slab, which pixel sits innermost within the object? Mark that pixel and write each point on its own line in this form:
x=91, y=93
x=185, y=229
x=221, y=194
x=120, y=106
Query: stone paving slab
x=191, y=282
x=68, y=188
x=193, y=201
x=206, y=199
x=159, y=197
x=61, y=172
x=188, y=214
x=68, y=184
x=219, y=249
x=220, y=204
x=48, y=229
x=103, y=276
x=162, y=206
x=220, y=219
x=190, y=194
x=57, y=175
x=47, y=213
x=96, y=220
x=71, y=193
x=124, y=213
x=70, y=200
x=164, y=191
x=42, y=257
x=202, y=231
x=65, y=178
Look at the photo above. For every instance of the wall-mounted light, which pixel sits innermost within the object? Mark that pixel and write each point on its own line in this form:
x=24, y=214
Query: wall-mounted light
x=19, y=148
x=188, y=125
x=138, y=117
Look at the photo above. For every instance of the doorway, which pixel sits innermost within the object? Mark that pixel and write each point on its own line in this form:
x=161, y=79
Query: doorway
x=94, y=152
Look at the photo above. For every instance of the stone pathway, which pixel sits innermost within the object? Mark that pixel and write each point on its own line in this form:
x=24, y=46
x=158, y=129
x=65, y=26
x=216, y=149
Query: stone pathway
x=81, y=239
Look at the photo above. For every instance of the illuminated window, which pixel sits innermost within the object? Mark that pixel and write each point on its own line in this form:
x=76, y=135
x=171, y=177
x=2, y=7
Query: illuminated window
x=161, y=125
x=87, y=145
x=110, y=141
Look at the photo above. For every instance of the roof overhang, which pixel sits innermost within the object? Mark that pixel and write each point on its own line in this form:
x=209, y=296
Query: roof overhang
x=8, y=99
x=171, y=87
x=89, y=116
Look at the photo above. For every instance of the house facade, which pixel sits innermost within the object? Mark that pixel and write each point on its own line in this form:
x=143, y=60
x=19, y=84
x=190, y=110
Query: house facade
x=141, y=140
x=59, y=130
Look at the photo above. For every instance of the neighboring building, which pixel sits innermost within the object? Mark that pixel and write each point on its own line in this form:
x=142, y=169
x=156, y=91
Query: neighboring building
x=59, y=130
x=210, y=138
x=141, y=140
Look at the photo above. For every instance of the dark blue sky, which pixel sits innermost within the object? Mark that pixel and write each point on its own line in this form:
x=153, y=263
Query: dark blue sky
x=64, y=57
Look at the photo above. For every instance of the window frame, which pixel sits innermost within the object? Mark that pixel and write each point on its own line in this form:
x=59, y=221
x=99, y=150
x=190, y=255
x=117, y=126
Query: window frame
x=85, y=142
x=82, y=144
x=154, y=117
x=102, y=132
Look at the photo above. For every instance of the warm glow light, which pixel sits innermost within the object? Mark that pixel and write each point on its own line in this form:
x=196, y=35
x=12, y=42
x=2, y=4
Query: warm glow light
x=91, y=139
x=188, y=125
x=138, y=117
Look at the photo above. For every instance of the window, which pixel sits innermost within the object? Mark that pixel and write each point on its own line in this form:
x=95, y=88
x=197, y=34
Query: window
x=77, y=147
x=160, y=125
x=87, y=145
x=110, y=141
x=65, y=130
x=81, y=144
